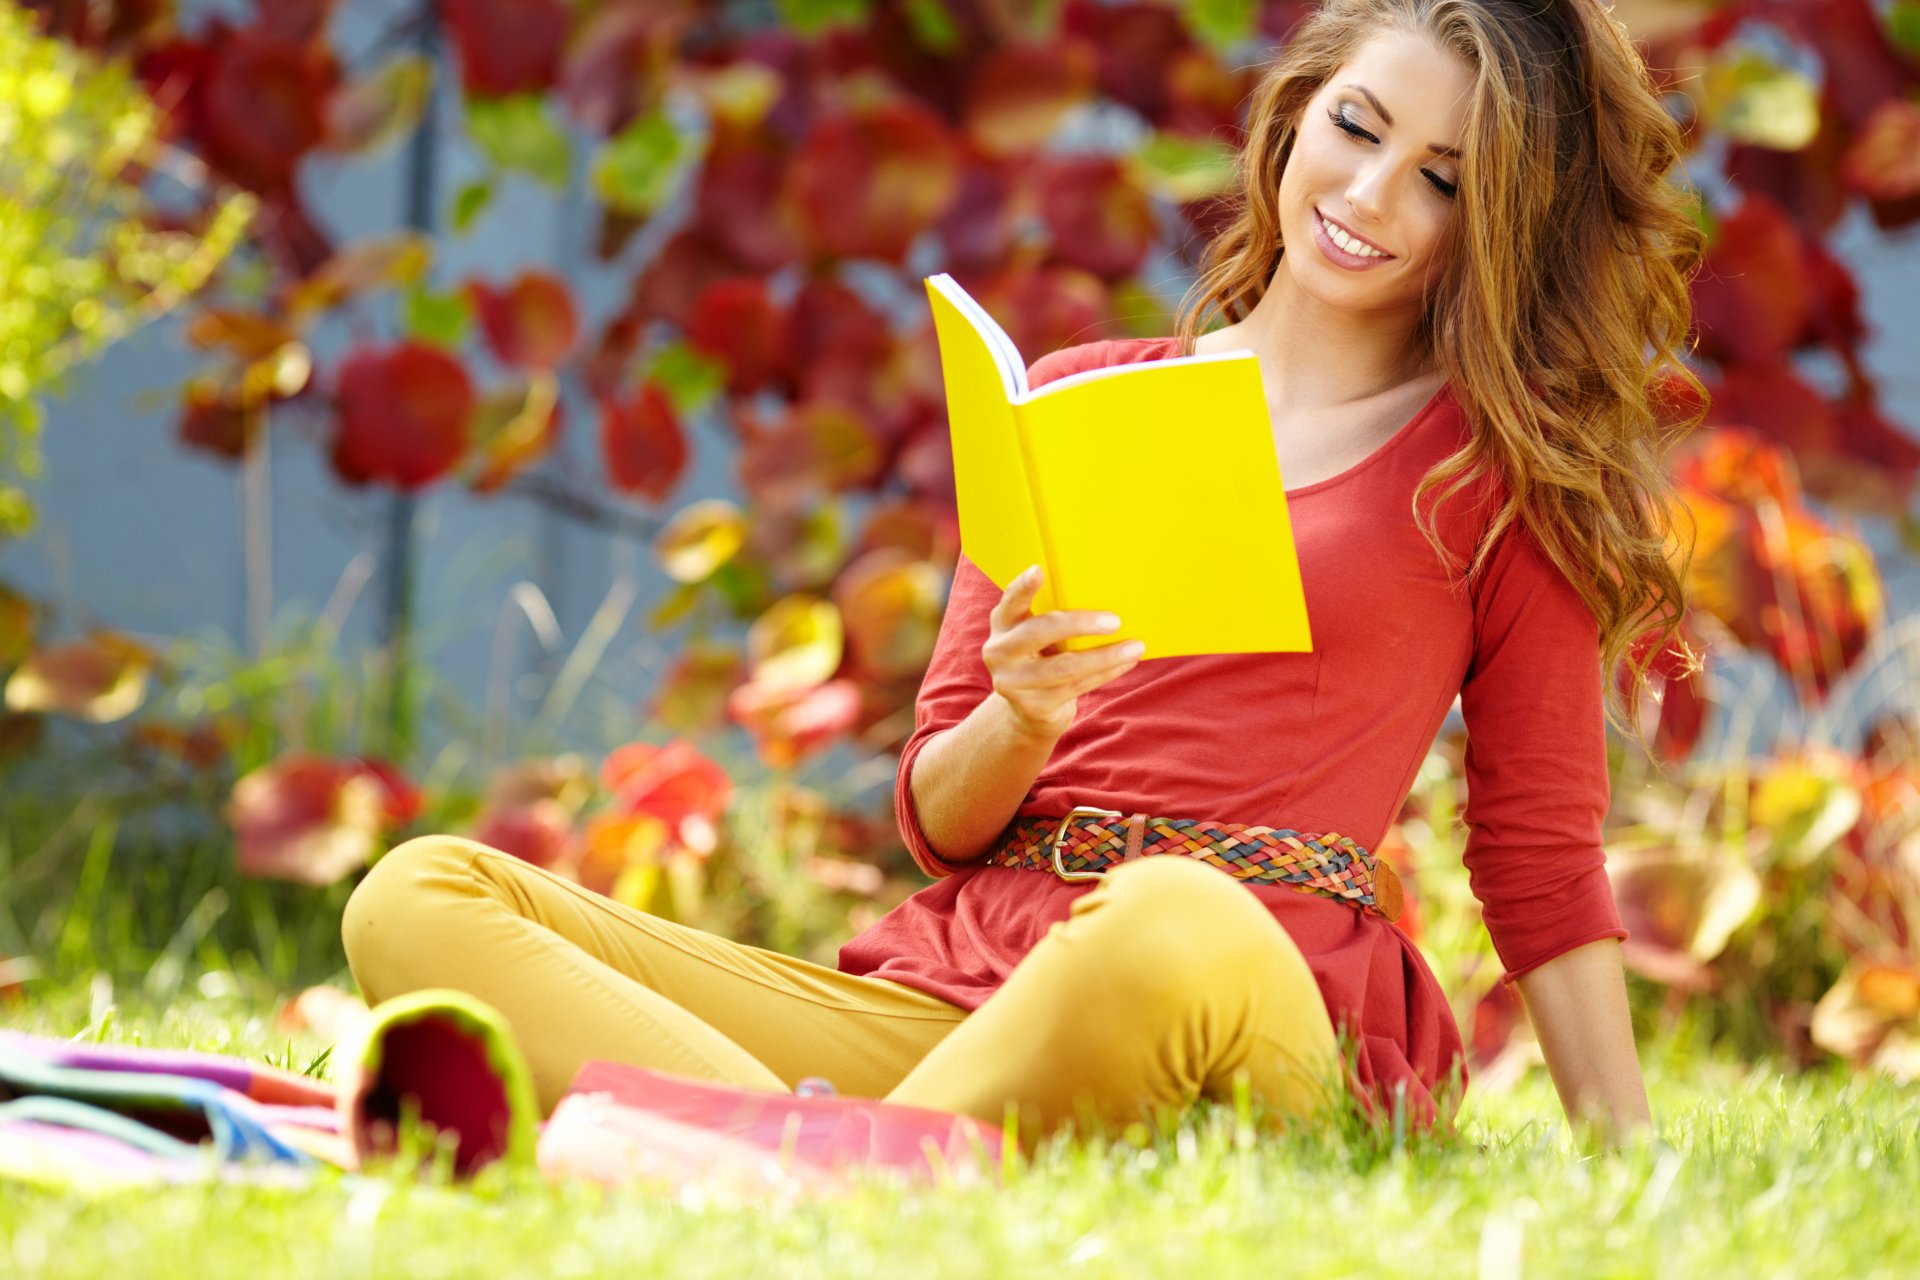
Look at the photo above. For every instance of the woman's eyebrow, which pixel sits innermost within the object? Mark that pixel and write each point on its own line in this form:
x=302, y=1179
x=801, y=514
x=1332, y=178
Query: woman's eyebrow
x=1385, y=115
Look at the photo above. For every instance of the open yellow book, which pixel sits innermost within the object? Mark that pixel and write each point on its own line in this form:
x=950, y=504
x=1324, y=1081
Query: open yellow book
x=1149, y=490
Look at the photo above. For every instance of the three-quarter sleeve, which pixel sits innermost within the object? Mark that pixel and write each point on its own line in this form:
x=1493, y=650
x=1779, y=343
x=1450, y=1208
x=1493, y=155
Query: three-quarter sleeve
x=1536, y=761
x=956, y=682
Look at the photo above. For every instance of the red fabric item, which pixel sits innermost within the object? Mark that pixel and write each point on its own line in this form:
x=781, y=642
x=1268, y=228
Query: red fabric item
x=1328, y=741
x=437, y=1064
x=663, y=1124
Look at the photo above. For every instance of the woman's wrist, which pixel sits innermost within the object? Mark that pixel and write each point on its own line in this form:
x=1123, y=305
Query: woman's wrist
x=1021, y=730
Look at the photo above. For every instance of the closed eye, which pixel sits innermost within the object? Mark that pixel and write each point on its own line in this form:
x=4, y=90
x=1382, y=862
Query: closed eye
x=1339, y=118
x=1353, y=130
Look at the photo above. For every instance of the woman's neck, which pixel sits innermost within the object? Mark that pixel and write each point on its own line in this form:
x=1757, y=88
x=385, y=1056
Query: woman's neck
x=1317, y=356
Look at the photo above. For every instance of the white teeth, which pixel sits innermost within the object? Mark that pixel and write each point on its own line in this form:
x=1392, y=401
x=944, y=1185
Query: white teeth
x=1350, y=244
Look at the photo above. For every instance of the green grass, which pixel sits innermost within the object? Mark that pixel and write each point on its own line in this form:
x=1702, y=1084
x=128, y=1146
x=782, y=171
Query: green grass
x=1756, y=1174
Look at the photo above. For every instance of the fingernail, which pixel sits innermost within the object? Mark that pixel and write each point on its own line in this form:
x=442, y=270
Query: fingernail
x=1032, y=572
x=1133, y=648
x=1107, y=622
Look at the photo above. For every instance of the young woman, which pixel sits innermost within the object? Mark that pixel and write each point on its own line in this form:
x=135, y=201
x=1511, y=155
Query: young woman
x=1462, y=268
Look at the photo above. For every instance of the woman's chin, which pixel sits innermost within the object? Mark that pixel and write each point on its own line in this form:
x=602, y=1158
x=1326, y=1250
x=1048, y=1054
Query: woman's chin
x=1336, y=291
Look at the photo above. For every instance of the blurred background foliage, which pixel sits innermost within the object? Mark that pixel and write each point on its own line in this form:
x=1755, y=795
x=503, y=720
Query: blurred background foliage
x=82, y=261
x=768, y=185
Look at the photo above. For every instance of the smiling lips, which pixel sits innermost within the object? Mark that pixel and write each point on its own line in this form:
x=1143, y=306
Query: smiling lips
x=1355, y=245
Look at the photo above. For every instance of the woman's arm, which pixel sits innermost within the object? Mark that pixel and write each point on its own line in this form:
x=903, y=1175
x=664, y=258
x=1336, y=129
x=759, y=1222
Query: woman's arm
x=1577, y=1002
x=969, y=781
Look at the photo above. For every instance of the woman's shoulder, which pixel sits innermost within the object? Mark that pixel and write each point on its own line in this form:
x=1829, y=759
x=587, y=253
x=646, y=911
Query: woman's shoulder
x=1098, y=355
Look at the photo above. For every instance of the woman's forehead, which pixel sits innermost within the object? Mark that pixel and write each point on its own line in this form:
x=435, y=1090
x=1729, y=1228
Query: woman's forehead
x=1410, y=80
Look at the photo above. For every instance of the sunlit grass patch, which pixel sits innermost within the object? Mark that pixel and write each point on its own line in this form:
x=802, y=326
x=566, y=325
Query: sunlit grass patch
x=1756, y=1173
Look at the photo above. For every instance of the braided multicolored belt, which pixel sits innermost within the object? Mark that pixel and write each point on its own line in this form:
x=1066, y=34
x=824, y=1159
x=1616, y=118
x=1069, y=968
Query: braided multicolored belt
x=1088, y=841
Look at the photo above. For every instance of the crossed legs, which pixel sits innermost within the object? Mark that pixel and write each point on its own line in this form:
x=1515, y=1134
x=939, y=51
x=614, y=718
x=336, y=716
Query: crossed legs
x=1166, y=980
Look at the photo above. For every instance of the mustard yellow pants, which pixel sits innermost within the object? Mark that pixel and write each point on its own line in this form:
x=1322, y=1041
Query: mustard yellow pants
x=1167, y=979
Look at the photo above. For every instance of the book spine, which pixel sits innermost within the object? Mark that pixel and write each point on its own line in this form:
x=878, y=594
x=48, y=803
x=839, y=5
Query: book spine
x=1055, y=590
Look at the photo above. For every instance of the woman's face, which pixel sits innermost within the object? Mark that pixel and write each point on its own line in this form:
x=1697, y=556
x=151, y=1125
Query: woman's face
x=1370, y=161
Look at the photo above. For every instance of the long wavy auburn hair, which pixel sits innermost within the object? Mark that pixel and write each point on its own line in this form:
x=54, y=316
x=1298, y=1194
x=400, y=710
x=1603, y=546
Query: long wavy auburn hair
x=1560, y=321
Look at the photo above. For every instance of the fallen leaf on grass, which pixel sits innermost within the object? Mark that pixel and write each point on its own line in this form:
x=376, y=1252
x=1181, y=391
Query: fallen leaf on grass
x=325, y=1011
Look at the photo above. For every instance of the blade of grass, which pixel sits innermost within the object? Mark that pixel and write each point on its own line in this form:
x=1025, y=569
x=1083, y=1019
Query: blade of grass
x=76, y=933
x=169, y=970
x=586, y=655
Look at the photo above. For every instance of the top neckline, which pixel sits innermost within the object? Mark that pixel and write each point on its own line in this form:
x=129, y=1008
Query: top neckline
x=1385, y=447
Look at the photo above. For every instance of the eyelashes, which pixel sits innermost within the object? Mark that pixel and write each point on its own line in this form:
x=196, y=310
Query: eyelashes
x=1346, y=126
x=1339, y=118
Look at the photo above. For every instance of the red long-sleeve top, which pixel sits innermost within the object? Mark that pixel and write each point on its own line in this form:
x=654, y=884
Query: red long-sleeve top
x=1327, y=741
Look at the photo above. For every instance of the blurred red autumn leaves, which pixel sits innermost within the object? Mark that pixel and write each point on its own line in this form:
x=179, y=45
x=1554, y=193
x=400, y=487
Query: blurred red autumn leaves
x=1774, y=306
x=799, y=153
x=796, y=180
x=313, y=819
x=1805, y=865
x=649, y=810
x=1780, y=897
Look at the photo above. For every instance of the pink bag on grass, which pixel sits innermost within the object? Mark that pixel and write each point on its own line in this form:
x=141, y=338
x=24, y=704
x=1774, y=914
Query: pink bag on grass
x=453, y=1059
x=619, y=1123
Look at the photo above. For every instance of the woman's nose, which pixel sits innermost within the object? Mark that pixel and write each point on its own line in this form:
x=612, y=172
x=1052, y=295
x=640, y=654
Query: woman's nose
x=1367, y=193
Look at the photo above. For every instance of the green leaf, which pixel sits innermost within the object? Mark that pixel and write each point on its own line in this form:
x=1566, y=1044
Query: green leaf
x=1140, y=311
x=1181, y=169
x=635, y=172
x=1753, y=100
x=674, y=606
x=16, y=513
x=932, y=25
x=516, y=133
x=690, y=379
x=379, y=108
x=469, y=202
x=82, y=264
x=1702, y=214
x=1910, y=531
x=743, y=586
x=811, y=17
x=1903, y=24
x=439, y=318
x=1221, y=24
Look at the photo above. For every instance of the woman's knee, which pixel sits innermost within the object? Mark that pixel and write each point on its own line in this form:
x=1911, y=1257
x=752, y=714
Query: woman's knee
x=390, y=911
x=1172, y=887
x=1185, y=922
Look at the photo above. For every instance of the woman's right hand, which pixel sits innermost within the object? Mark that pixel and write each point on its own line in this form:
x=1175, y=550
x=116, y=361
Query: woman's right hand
x=1040, y=684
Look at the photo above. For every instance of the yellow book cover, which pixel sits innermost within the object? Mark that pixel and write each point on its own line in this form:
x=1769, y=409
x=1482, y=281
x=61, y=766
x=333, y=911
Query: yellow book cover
x=1149, y=490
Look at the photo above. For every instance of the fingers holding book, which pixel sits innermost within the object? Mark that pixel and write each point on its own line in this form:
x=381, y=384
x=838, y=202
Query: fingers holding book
x=1032, y=633
x=1040, y=683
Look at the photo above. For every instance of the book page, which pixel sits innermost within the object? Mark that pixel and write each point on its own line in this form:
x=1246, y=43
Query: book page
x=1161, y=501
x=997, y=527
x=1013, y=367
x=1118, y=370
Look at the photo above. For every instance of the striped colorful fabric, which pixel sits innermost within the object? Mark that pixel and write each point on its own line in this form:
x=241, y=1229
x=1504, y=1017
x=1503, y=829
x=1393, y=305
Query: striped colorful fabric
x=1093, y=841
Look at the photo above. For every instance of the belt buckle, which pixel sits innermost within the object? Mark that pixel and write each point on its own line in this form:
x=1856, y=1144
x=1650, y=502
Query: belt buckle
x=1061, y=834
